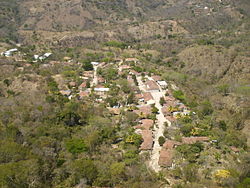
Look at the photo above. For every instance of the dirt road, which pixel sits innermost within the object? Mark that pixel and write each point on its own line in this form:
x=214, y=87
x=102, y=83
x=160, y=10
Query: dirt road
x=158, y=128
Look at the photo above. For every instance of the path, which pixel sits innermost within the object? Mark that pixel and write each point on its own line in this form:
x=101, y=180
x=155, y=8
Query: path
x=95, y=79
x=159, y=129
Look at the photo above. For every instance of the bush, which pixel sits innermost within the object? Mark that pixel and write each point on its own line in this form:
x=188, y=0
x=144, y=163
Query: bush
x=87, y=65
x=75, y=146
x=179, y=95
x=162, y=101
x=116, y=44
x=161, y=140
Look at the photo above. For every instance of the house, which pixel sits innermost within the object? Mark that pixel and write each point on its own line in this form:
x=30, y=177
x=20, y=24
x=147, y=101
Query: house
x=139, y=97
x=65, y=92
x=133, y=72
x=124, y=67
x=169, y=98
x=146, y=124
x=131, y=60
x=170, y=144
x=163, y=84
x=143, y=111
x=83, y=94
x=148, y=98
x=101, y=89
x=100, y=80
x=88, y=74
x=72, y=84
x=95, y=63
x=193, y=140
x=83, y=85
x=147, y=137
x=165, y=111
x=166, y=157
x=152, y=86
x=156, y=78
x=171, y=118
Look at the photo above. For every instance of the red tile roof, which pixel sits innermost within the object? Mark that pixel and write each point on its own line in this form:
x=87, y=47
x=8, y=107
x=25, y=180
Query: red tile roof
x=84, y=94
x=147, y=96
x=166, y=157
x=156, y=78
x=147, y=137
x=147, y=123
x=143, y=110
x=83, y=85
x=169, y=144
x=165, y=111
x=151, y=85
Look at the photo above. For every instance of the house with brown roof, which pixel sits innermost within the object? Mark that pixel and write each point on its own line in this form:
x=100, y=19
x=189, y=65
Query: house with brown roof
x=147, y=137
x=143, y=111
x=131, y=60
x=65, y=92
x=72, y=84
x=156, y=78
x=89, y=74
x=147, y=96
x=171, y=118
x=83, y=94
x=146, y=124
x=133, y=72
x=83, y=85
x=166, y=157
x=152, y=86
x=193, y=140
x=100, y=80
x=139, y=97
x=165, y=111
x=124, y=67
x=170, y=144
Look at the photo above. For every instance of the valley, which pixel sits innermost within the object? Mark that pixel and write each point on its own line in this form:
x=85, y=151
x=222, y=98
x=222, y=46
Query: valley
x=127, y=93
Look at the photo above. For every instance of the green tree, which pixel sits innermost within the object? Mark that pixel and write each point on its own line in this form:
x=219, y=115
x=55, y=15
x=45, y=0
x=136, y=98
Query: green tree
x=75, y=145
x=87, y=66
x=161, y=140
x=85, y=168
x=162, y=101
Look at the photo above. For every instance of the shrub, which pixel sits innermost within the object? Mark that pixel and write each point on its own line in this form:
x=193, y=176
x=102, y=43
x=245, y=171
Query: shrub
x=161, y=140
x=75, y=146
x=179, y=95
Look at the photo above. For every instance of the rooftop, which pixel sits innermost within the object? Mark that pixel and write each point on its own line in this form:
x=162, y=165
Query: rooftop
x=151, y=85
x=166, y=158
x=147, y=137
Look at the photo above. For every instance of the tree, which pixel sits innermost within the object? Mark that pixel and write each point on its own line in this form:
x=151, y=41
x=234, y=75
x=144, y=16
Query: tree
x=117, y=171
x=76, y=145
x=131, y=98
x=85, y=168
x=162, y=101
x=179, y=95
x=190, y=172
x=87, y=65
x=161, y=140
x=154, y=109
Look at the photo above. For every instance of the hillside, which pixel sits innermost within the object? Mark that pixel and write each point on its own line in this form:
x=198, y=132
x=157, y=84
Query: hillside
x=124, y=93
